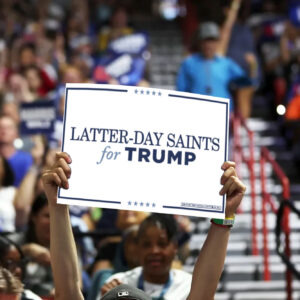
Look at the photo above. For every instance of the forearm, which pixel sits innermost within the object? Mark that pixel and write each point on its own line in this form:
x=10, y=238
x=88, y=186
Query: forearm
x=24, y=197
x=226, y=29
x=63, y=254
x=209, y=265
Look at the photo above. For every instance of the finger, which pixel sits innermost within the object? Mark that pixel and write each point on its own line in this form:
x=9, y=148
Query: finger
x=118, y=282
x=51, y=178
x=227, y=174
x=228, y=164
x=226, y=186
x=64, y=180
x=115, y=282
x=234, y=187
x=104, y=289
x=238, y=186
x=61, y=163
x=63, y=155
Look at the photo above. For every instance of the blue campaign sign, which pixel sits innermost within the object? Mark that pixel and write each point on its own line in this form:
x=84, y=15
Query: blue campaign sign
x=134, y=44
x=37, y=117
x=127, y=69
x=124, y=60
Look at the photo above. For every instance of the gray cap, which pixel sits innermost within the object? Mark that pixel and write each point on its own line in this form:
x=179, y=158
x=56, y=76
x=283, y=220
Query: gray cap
x=208, y=30
x=125, y=291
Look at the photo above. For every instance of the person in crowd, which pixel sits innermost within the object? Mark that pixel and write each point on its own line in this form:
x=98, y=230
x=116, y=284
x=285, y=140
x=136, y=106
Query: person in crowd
x=35, y=90
x=7, y=197
x=12, y=208
x=28, y=57
x=158, y=250
x=124, y=257
x=31, y=186
x=20, y=161
x=290, y=52
x=292, y=124
x=157, y=247
x=35, y=243
x=118, y=27
x=116, y=252
x=237, y=42
x=206, y=72
x=12, y=259
x=10, y=286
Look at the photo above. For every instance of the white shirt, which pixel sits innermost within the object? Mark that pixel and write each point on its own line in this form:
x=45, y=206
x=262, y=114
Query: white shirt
x=7, y=209
x=179, y=288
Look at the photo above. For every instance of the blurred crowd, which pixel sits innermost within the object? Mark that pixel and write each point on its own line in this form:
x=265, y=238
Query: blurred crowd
x=46, y=44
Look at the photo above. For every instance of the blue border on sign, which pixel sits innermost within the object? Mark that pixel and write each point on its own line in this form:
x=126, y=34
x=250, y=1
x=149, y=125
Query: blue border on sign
x=93, y=200
x=63, y=138
x=225, y=156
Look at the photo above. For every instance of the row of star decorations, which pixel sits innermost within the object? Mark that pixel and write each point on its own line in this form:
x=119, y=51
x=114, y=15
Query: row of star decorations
x=142, y=92
x=135, y=203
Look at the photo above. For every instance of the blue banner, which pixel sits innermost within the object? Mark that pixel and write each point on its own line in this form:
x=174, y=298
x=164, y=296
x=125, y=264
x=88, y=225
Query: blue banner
x=124, y=60
x=37, y=117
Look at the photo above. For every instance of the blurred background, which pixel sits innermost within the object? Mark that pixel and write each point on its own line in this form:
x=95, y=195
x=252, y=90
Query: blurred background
x=46, y=44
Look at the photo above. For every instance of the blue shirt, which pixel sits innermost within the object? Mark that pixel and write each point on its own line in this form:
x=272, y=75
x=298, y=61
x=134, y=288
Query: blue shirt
x=20, y=162
x=208, y=76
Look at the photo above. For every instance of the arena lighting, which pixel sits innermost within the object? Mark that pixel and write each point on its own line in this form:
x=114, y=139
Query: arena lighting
x=280, y=109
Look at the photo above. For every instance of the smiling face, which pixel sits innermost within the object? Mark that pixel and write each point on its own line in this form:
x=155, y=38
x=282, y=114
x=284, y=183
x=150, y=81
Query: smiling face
x=156, y=253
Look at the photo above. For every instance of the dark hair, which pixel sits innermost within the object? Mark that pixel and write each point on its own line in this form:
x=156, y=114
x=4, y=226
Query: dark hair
x=24, y=70
x=162, y=221
x=5, y=244
x=29, y=46
x=9, y=176
x=39, y=203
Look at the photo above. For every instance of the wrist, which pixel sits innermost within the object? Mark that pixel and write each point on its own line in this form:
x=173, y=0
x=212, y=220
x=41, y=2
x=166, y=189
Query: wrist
x=227, y=222
x=53, y=205
x=224, y=227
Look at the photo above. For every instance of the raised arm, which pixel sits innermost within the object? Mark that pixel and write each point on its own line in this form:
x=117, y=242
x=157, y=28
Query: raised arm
x=62, y=245
x=226, y=28
x=210, y=262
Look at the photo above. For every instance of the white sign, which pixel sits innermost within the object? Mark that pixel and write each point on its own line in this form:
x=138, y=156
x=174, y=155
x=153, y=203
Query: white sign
x=145, y=149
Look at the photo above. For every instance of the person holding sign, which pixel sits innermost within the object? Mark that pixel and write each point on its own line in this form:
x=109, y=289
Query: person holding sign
x=208, y=267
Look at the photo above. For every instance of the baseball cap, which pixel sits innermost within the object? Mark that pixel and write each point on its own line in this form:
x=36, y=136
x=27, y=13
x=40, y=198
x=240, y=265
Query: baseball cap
x=125, y=291
x=208, y=30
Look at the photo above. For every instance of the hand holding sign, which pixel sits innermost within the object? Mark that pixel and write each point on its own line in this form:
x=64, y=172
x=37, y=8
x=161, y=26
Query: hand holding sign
x=233, y=187
x=60, y=173
x=57, y=176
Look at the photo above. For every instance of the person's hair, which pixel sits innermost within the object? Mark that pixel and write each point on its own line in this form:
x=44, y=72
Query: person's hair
x=5, y=246
x=162, y=221
x=35, y=68
x=9, y=177
x=9, y=283
x=39, y=203
x=28, y=46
